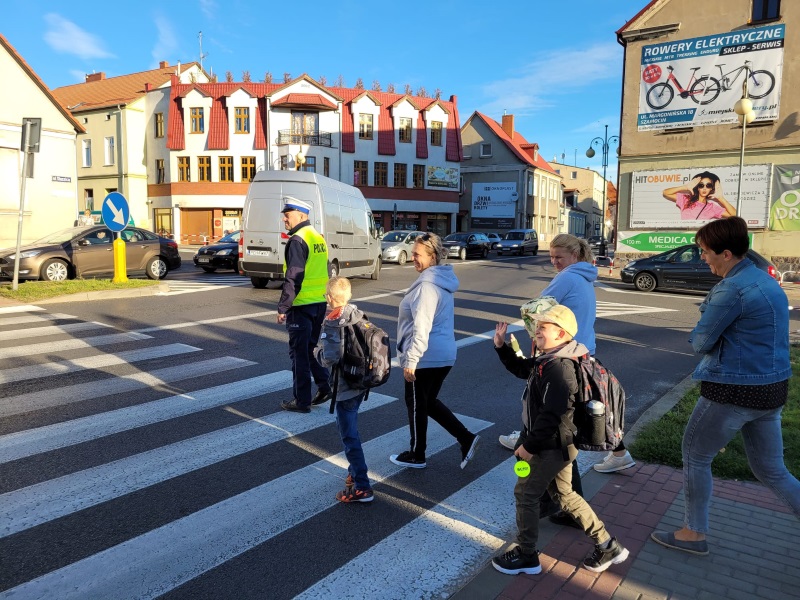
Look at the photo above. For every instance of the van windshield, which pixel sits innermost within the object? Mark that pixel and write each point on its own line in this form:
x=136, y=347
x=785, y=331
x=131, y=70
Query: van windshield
x=395, y=236
x=514, y=235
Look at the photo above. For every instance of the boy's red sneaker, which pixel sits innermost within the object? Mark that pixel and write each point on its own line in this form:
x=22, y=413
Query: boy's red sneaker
x=351, y=494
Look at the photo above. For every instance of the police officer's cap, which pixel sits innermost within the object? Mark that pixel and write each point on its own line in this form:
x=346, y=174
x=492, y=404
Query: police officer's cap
x=290, y=203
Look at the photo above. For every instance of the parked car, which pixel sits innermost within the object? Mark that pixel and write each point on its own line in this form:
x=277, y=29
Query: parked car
x=223, y=254
x=494, y=239
x=396, y=245
x=462, y=245
x=680, y=268
x=598, y=245
x=519, y=241
x=88, y=252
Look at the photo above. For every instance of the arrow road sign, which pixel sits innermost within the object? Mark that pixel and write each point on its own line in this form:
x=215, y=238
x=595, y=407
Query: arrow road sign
x=115, y=211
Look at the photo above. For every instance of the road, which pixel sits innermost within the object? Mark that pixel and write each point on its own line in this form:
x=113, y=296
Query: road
x=143, y=452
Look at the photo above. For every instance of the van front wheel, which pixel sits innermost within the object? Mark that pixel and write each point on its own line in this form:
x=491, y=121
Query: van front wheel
x=259, y=282
x=376, y=272
x=333, y=270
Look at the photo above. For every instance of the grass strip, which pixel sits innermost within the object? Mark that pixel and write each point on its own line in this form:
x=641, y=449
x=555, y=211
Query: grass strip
x=32, y=291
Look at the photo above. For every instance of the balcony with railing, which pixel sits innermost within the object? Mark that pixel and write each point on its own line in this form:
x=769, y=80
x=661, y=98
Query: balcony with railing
x=309, y=138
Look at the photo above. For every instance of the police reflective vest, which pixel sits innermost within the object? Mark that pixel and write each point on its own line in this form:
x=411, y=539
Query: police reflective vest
x=315, y=277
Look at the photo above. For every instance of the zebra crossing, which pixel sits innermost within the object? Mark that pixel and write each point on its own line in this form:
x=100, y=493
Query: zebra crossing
x=203, y=282
x=44, y=496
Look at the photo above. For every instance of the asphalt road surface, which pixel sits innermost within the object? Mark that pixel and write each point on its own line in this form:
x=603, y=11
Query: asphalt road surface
x=143, y=452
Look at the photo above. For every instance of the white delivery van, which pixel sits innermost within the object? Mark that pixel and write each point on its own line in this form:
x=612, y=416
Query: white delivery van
x=339, y=212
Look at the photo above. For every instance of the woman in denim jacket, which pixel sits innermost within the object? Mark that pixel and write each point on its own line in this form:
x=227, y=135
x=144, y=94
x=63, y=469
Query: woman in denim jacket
x=743, y=335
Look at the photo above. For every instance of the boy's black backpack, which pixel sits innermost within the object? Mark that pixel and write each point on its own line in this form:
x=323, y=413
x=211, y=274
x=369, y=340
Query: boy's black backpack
x=367, y=358
x=600, y=428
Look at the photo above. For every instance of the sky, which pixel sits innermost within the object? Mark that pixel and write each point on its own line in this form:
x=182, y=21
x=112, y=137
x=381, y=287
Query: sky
x=556, y=66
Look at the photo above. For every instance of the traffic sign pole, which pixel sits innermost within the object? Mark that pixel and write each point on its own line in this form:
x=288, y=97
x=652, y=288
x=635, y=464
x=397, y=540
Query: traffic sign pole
x=120, y=262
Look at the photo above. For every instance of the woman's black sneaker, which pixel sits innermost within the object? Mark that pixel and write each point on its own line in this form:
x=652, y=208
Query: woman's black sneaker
x=406, y=459
x=603, y=557
x=515, y=562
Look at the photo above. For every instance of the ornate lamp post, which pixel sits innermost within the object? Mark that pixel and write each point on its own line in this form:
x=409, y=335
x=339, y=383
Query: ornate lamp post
x=743, y=108
x=603, y=143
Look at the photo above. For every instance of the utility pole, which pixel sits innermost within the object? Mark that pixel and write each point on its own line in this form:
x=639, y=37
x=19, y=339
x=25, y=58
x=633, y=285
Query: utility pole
x=31, y=134
x=202, y=56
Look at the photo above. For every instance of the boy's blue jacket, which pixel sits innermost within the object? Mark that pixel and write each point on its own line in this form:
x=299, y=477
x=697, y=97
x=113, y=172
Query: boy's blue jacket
x=330, y=350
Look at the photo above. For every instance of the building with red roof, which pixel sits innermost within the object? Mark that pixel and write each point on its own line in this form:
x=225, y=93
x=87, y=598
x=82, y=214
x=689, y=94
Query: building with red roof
x=507, y=182
x=402, y=151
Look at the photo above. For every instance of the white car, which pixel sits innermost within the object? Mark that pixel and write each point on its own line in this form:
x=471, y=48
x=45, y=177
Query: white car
x=396, y=246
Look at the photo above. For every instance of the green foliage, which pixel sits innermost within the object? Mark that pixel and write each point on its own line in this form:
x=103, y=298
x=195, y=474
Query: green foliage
x=660, y=441
x=32, y=291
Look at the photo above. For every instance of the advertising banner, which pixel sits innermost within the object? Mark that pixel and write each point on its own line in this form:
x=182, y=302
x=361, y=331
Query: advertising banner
x=494, y=204
x=655, y=241
x=697, y=81
x=688, y=198
x=443, y=177
x=784, y=214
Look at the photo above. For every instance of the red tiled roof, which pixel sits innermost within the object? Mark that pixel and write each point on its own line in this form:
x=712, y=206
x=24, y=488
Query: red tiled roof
x=40, y=84
x=348, y=128
x=385, y=132
x=218, y=124
x=518, y=145
x=305, y=100
x=112, y=91
x=260, y=143
x=453, y=151
x=422, y=136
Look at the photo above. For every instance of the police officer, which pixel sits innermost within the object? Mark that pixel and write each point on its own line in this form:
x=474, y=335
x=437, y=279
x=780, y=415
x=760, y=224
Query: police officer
x=302, y=304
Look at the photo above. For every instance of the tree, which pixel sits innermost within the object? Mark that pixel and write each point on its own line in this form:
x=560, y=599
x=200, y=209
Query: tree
x=376, y=86
x=213, y=78
x=390, y=88
x=408, y=91
x=323, y=80
x=268, y=77
x=359, y=84
x=339, y=81
x=287, y=77
x=246, y=76
x=437, y=93
x=422, y=92
x=228, y=76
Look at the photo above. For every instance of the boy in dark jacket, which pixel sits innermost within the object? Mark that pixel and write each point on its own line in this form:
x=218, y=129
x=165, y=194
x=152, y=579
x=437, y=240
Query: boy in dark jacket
x=329, y=354
x=546, y=441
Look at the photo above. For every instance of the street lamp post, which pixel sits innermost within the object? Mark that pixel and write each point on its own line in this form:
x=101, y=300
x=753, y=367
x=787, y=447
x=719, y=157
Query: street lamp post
x=603, y=143
x=743, y=108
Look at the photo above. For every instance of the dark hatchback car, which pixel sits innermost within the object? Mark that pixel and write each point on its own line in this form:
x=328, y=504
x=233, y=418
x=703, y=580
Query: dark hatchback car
x=462, y=245
x=680, y=268
x=88, y=252
x=223, y=254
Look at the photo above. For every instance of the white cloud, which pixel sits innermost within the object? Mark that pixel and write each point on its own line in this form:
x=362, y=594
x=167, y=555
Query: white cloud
x=64, y=36
x=599, y=125
x=553, y=74
x=79, y=76
x=208, y=8
x=167, y=42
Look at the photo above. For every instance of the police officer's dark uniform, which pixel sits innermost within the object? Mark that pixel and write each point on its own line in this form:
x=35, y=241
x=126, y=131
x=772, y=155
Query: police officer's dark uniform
x=302, y=305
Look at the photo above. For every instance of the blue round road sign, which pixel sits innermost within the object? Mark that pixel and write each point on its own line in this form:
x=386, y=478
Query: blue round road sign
x=115, y=211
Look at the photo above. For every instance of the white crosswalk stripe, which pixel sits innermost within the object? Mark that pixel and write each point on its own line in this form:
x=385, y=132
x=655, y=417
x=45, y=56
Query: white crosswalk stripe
x=204, y=282
x=607, y=310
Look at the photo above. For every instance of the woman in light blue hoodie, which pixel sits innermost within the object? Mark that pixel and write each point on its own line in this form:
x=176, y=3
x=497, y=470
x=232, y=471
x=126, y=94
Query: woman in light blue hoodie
x=426, y=350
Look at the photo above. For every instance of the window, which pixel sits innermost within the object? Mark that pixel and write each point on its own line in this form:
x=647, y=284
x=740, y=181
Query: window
x=242, y=120
x=765, y=10
x=436, y=133
x=248, y=168
x=87, y=153
x=108, y=148
x=159, y=125
x=184, y=173
x=364, y=126
x=203, y=168
x=419, y=176
x=88, y=199
x=226, y=168
x=573, y=175
x=326, y=166
x=405, y=130
x=486, y=150
x=380, y=176
x=284, y=163
x=160, y=175
x=360, y=168
x=400, y=173
x=310, y=165
x=198, y=125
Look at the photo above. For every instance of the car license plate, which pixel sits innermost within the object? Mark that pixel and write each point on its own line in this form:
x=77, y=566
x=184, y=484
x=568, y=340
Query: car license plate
x=203, y=259
x=258, y=252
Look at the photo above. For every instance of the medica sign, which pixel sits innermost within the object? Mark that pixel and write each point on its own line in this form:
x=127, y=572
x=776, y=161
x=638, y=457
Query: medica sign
x=697, y=81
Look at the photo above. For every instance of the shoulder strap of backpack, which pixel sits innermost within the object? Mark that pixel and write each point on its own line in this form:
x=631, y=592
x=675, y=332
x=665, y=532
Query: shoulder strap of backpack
x=335, y=389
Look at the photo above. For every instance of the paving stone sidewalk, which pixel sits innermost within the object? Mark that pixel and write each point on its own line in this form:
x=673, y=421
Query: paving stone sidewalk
x=753, y=543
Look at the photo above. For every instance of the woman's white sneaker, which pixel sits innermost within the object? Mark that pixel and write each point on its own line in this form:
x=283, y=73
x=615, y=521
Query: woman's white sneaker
x=613, y=463
x=509, y=441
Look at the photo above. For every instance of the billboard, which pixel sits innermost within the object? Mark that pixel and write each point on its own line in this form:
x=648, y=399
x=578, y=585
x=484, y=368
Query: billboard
x=697, y=81
x=443, y=177
x=784, y=214
x=688, y=198
x=494, y=204
x=655, y=241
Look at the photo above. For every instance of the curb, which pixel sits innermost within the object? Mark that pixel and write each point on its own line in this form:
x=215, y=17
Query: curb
x=98, y=295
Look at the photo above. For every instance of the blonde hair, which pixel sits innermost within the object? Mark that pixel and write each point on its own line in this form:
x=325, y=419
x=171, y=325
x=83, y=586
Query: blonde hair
x=433, y=246
x=573, y=245
x=339, y=289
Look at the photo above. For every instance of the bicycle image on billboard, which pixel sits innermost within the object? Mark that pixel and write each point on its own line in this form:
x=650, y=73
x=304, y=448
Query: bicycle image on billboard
x=693, y=82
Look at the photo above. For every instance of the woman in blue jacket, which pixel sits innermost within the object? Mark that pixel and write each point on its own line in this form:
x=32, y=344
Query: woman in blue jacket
x=743, y=336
